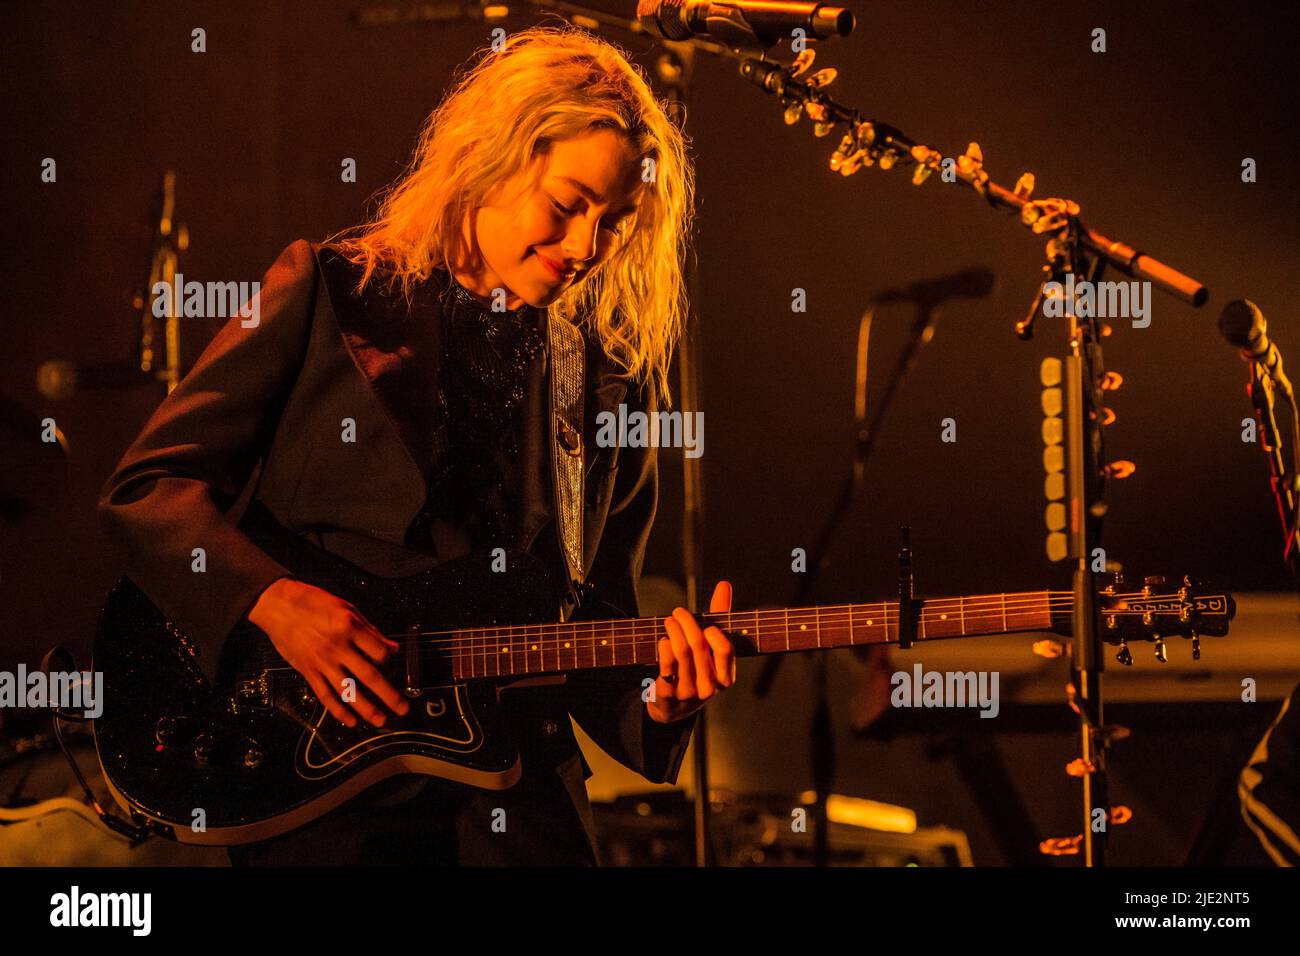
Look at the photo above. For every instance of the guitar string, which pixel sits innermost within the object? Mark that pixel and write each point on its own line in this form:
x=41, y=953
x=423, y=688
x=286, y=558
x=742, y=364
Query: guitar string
x=931, y=614
x=463, y=643
x=1023, y=600
x=647, y=626
x=857, y=615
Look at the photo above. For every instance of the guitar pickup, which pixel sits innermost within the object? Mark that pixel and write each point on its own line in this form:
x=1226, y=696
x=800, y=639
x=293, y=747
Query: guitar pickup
x=414, y=683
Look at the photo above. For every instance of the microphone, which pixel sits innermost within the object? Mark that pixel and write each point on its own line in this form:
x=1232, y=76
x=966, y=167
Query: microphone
x=974, y=283
x=1242, y=324
x=761, y=23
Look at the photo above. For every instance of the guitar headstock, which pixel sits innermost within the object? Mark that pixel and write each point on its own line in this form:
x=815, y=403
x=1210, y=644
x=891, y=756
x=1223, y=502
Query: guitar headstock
x=1161, y=610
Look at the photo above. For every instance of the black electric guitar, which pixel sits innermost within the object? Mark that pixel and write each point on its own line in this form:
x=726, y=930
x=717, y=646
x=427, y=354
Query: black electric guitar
x=261, y=756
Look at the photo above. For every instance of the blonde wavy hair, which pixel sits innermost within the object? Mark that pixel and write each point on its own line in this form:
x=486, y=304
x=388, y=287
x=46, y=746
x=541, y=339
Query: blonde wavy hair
x=543, y=85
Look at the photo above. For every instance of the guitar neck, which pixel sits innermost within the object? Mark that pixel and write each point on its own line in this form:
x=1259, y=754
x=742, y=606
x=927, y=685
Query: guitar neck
x=523, y=650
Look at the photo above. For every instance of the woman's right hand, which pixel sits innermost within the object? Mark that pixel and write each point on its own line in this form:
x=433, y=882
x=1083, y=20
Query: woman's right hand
x=326, y=640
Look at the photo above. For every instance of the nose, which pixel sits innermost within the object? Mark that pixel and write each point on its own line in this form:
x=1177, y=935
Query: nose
x=580, y=240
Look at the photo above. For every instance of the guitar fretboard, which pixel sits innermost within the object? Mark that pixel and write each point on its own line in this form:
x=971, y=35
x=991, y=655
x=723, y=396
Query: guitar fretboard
x=522, y=650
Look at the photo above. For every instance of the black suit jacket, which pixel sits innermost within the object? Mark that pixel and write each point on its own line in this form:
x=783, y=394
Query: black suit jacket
x=276, y=395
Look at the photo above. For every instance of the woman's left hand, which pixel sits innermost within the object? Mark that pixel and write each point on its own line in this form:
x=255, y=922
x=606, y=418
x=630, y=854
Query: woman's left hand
x=694, y=663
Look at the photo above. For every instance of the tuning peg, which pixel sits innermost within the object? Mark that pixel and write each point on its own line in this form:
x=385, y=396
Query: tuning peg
x=1125, y=656
x=1162, y=651
x=1024, y=185
x=1120, y=469
x=792, y=113
x=1196, y=646
x=1107, y=416
x=1153, y=583
x=1111, y=381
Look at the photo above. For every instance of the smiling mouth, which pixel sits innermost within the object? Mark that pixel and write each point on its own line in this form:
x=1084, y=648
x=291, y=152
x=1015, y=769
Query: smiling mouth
x=553, y=268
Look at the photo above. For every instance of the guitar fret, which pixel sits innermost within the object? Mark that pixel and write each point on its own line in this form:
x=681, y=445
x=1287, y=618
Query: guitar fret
x=520, y=650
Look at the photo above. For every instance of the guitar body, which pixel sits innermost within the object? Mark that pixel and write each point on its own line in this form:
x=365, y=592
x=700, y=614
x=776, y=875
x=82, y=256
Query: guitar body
x=257, y=754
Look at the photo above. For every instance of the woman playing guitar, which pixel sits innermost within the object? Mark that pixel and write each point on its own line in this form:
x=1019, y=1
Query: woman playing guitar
x=393, y=392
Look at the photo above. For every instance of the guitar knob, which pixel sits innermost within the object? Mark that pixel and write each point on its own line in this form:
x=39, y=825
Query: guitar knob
x=166, y=731
x=204, y=747
x=1125, y=656
x=1196, y=647
x=173, y=731
x=1162, y=652
x=253, y=754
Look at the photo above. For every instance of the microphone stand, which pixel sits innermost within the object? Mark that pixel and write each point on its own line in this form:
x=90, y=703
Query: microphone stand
x=170, y=240
x=674, y=68
x=1262, y=391
x=821, y=738
x=1072, y=248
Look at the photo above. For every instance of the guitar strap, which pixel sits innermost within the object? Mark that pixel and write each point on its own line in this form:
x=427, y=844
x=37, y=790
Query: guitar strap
x=567, y=373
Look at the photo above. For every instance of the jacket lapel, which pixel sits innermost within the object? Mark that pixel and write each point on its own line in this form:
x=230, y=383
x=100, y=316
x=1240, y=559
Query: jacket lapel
x=397, y=352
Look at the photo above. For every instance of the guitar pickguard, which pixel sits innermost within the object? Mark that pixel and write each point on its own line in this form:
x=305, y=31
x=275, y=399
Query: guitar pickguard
x=441, y=722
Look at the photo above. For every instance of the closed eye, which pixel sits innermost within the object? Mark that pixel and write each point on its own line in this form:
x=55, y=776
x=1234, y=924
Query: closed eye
x=611, y=226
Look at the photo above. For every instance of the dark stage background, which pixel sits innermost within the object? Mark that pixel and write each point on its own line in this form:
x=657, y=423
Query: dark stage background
x=1148, y=137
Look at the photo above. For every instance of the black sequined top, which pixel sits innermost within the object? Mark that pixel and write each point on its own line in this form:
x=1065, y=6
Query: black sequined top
x=486, y=360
